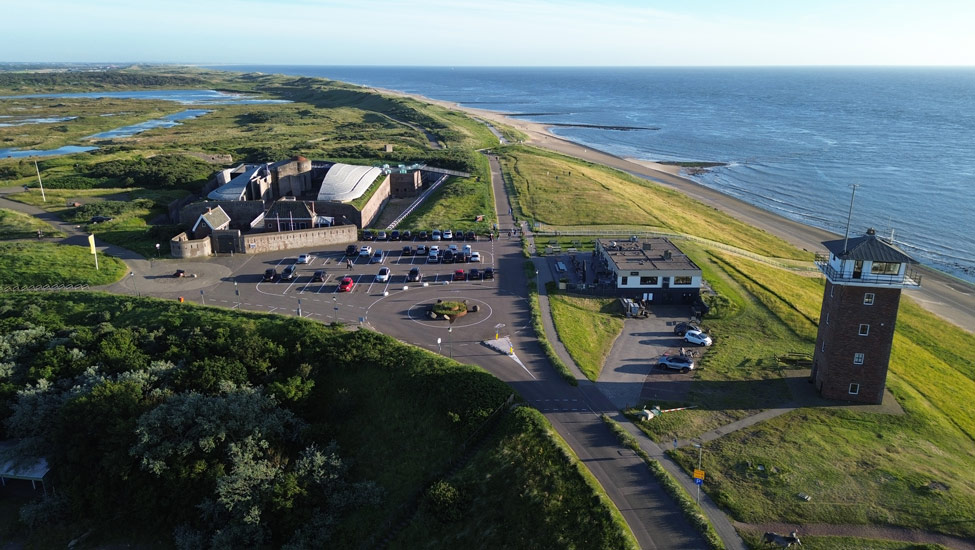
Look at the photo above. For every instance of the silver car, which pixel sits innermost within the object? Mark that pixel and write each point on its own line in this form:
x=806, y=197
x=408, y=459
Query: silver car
x=676, y=362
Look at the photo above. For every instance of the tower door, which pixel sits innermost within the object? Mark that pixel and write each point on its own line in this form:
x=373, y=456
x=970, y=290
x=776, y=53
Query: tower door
x=857, y=269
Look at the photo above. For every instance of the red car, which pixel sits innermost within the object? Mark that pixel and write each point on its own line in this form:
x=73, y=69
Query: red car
x=459, y=275
x=346, y=284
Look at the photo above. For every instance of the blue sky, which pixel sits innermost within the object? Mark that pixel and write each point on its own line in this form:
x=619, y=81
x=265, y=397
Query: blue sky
x=501, y=32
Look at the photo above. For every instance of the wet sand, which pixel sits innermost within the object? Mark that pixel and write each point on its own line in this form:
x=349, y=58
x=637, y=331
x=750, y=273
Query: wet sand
x=944, y=295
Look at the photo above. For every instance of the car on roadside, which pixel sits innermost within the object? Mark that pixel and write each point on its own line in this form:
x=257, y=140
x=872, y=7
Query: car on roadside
x=319, y=276
x=424, y=235
x=382, y=236
x=289, y=272
x=475, y=256
x=270, y=274
x=489, y=273
x=436, y=235
x=676, y=362
x=351, y=250
x=383, y=275
x=697, y=337
x=407, y=251
x=471, y=236
x=365, y=251
x=346, y=284
x=459, y=275
x=414, y=276
x=378, y=257
x=304, y=259
x=406, y=235
x=474, y=274
x=448, y=235
x=448, y=256
x=682, y=327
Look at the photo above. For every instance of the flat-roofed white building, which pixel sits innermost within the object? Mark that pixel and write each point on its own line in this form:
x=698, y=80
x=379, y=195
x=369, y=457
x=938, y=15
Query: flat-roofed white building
x=653, y=270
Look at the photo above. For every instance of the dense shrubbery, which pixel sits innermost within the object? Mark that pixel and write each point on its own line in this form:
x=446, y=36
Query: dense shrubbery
x=108, y=208
x=94, y=79
x=163, y=171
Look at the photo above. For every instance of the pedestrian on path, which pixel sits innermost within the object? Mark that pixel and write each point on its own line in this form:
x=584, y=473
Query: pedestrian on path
x=349, y=263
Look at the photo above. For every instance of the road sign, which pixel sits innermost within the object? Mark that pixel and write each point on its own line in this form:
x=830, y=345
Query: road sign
x=698, y=474
x=698, y=480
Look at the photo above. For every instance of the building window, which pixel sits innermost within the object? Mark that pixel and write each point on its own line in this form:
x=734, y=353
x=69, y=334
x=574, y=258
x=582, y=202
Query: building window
x=634, y=274
x=648, y=280
x=885, y=268
x=857, y=358
x=624, y=281
x=868, y=299
x=854, y=389
x=682, y=280
x=864, y=329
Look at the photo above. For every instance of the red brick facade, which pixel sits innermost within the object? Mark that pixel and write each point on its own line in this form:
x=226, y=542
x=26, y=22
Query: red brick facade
x=847, y=312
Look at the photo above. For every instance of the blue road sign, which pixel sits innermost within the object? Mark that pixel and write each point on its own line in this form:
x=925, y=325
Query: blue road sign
x=698, y=480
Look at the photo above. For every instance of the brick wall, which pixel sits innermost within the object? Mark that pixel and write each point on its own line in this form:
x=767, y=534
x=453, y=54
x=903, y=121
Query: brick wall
x=303, y=238
x=181, y=246
x=839, y=340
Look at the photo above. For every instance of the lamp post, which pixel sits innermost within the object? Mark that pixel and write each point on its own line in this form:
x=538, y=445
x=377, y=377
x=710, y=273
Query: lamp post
x=132, y=278
x=536, y=280
x=335, y=310
x=236, y=293
x=450, y=347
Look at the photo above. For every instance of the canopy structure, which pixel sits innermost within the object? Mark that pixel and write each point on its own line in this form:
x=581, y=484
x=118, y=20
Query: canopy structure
x=347, y=182
x=33, y=471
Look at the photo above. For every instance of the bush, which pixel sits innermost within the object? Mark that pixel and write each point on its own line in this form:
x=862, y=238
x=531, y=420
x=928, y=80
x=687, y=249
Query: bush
x=444, y=501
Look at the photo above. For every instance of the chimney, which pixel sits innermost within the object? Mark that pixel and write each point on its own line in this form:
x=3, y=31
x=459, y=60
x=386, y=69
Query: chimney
x=667, y=254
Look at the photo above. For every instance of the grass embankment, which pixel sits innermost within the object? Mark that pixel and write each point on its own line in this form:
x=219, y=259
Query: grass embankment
x=587, y=327
x=457, y=203
x=562, y=191
x=16, y=225
x=33, y=264
x=509, y=489
x=539, y=328
x=402, y=419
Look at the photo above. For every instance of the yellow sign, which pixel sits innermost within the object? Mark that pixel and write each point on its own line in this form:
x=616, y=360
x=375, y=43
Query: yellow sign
x=698, y=474
x=91, y=242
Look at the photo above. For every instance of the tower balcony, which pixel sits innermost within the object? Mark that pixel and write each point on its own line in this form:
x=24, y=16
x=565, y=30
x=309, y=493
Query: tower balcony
x=910, y=279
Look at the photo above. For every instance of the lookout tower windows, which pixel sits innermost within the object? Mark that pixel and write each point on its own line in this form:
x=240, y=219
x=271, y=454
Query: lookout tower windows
x=857, y=358
x=864, y=329
x=868, y=298
x=885, y=268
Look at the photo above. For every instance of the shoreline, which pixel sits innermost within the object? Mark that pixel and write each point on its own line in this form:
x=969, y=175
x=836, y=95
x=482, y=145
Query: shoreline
x=949, y=297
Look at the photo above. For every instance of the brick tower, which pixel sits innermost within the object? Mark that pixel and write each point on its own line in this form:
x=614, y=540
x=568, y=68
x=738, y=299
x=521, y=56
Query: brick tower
x=864, y=278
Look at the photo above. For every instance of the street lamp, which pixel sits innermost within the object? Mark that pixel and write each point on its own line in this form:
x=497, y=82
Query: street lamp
x=536, y=280
x=132, y=278
x=335, y=310
x=450, y=347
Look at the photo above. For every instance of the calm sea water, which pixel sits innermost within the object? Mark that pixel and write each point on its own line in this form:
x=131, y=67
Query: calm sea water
x=794, y=140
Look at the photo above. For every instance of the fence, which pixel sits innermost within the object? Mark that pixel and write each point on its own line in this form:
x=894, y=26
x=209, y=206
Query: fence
x=44, y=288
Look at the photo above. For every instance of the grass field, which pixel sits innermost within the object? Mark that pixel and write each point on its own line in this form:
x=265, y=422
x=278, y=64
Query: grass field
x=457, y=203
x=32, y=264
x=560, y=191
x=16, y=225
x=587, y=327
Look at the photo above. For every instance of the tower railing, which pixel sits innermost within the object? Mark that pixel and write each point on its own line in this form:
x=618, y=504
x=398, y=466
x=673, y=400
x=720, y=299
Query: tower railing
x=911, y=277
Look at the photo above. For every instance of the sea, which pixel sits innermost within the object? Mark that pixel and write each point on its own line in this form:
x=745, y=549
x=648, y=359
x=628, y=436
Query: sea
x=794, y=141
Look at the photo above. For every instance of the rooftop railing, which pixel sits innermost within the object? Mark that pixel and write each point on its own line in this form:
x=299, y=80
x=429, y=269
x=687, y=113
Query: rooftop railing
x=911, y=276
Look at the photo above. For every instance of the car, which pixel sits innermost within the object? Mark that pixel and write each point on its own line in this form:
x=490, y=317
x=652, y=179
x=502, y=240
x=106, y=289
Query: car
x=406, y=235
x=407, y=251
x=681, y=328
x=467, y=249
x=365, y=251
x=99, y=219
x=448, y=234
x=378, y=257
x=448, y=257
x=459, y=275
x=180, y=273
x=383, y=275
x=421, y=250
x=423, y=236
x=395, y=235
x=346, y=285
x=351, y=250
x=289, y=272
x=676, y=362
x=697, y=337
x=319, y=276
x=489, y=273
x=475, y=256
x=436, y=235
x=270, y=274
x=382, y=236
x=433, y=258
x=474, y=274
x=471, y=236
x=368, y=236
x=304, y=259
x=434, y=249
x=414, y=275
x=458, y=235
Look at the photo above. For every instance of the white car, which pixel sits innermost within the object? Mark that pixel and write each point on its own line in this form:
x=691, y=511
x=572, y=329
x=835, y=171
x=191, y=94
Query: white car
x=365, y=251
x=475, y=256
x=697, y=337
x=448, y=235
x=304, y=259
x=383, y=275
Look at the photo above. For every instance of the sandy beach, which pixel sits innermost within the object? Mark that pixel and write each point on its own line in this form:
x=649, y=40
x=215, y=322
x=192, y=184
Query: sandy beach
x=940, y=293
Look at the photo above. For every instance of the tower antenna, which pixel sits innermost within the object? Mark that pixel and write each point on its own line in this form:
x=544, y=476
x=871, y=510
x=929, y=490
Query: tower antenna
x=849, y=218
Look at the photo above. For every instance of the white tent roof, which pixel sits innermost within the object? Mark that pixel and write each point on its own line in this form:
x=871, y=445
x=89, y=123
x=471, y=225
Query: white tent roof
x=346, y=182
x=235, y=189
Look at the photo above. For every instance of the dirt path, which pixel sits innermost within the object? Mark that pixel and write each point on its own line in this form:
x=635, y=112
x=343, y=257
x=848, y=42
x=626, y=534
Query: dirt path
x=878, y=532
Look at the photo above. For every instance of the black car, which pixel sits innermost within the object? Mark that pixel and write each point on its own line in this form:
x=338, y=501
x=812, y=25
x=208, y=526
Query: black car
x=394, y=235
x=368, y=236
x=423, y=236
x=289, y=272
x=415, y=275
x=471, y=236
x=489, y=273
x=681, y=328
x=407, y=251
x=474, y=274
x=319, y=276
x=99, y=219
x=458, y=235
x=352, y=250
x=270, y=274
x=448, y=257
x=406, y=235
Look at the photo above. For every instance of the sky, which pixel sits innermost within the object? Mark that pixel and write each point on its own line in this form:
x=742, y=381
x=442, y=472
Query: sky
x=492, y=33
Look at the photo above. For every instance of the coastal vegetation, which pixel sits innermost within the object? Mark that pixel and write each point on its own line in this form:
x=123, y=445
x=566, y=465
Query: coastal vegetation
x=40, y=263
x=17, y=225
x=587, y=327
x=122, y=383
